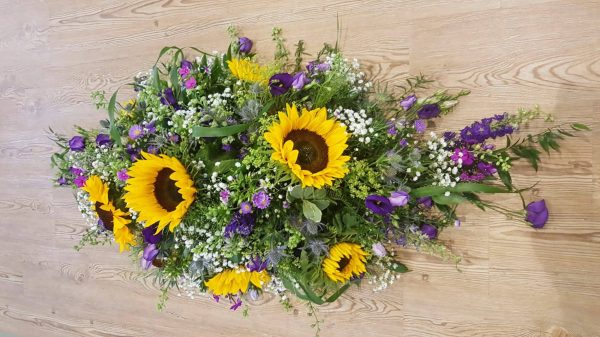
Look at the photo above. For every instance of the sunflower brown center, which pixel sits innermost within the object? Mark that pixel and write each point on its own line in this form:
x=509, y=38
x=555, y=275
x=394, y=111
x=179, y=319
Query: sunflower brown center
x=165, y=191
x=343, y=263
x=105, y=216
x=312, y=149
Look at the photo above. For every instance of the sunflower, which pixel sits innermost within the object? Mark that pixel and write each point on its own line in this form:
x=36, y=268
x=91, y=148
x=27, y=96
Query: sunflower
x=160, y=190
x=310, y=145
x=345, y=260
x=112, y=218
x=247, y=70
x=234, y=281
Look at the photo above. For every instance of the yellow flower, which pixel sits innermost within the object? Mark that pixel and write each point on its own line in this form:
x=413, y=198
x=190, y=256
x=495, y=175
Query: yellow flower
x=160, y=190
x=234, y=281
x=345, y=260
x=247, y=70
x=113, y=219
x=310, y=145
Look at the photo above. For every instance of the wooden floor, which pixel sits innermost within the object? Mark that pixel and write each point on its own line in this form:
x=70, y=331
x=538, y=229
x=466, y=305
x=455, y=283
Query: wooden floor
x=514, y=281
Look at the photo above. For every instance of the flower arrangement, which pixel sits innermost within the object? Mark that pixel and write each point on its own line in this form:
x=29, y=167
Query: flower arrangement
x=228, y=177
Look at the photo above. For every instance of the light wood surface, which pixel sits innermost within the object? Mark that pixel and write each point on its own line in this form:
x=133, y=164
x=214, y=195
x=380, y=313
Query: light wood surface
x=514, y=281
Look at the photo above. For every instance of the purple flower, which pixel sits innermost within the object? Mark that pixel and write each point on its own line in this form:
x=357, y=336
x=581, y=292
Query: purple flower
x=427, y=202
x=245, y=45
x=408, y=102
x=486, y=168
x=122, y=175
x=449, y=135
x=184, y=72
x=80, y=181
x=257, y=264
x=190, y=83
x=420, y=125
x=244, y=138
x=77, y=143
x=285, y=205
x=136, y=131
x=245, y=208
x=399, y=199
x=428, y=111
x=226, y=147
x=392, y=131
x=403, y=142
x=153, y=149
x=477, y=176
x=61, y=181
x=103, y=139
x=379, y=204
x=150, y=236
x=462, y=156
x=186, y=64
x=457, y=223
x=236, y=304
x=379, y=249
x=150, y=128
x=224, y=196
x=280, y=83
x=429, y=230
x=174, y=138
x=76, y=171
x=537, y=213
x=168, y=98
x=241, y=224
x=150, y=253
x=261, y=200
x=314, y=67
x=300, y=80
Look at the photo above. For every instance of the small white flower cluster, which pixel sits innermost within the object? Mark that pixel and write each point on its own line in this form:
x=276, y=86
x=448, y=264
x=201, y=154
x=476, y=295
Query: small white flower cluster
x=218, y=100
x=87, y=209
x=446, y=170
x=183, y=120
x=357, y=123
x=355, y=77
x=105, y=155
x=386, y=278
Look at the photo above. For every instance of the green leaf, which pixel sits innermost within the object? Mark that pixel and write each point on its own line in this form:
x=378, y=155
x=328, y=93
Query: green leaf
x=308, y=193
x=506, y=178
x=174, y=76
x=296, y=192
x=580, y=127
x=399, y=267
x=114, y=132
x=205, y=132
x=452, y=199
x=338, y=293
x=287, y=283
x=311, y=294
x=311, y=211
x=459, y=188
x=321, y=203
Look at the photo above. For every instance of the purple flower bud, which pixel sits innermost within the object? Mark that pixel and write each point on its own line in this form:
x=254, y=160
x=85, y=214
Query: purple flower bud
x=77, y=143
x=378, y=204
x=245, y=45
x=408, y=102
x=429, y=230
x=186, y=64
x=168, y=98
x=153, y=149
x=76, y=171
x=427, y=202
x=150, y=128
x=61, y=181
x=537, y=213
x=314, y=67
x=379, y=249
x=486, y=168
x=150, y=253
x=300, y=80
x=122, y=175
x=280, y=83
x=403, y=142
x=420, y=126
x=103, y=139
x=399, y=199
x=226, y=147
x=174, y=138
x=428, y=111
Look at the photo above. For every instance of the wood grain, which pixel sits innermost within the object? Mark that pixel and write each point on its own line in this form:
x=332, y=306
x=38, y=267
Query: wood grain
x=513, y=281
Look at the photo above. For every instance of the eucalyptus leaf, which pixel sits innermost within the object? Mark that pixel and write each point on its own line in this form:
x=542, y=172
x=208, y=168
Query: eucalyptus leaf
x=311, y=211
